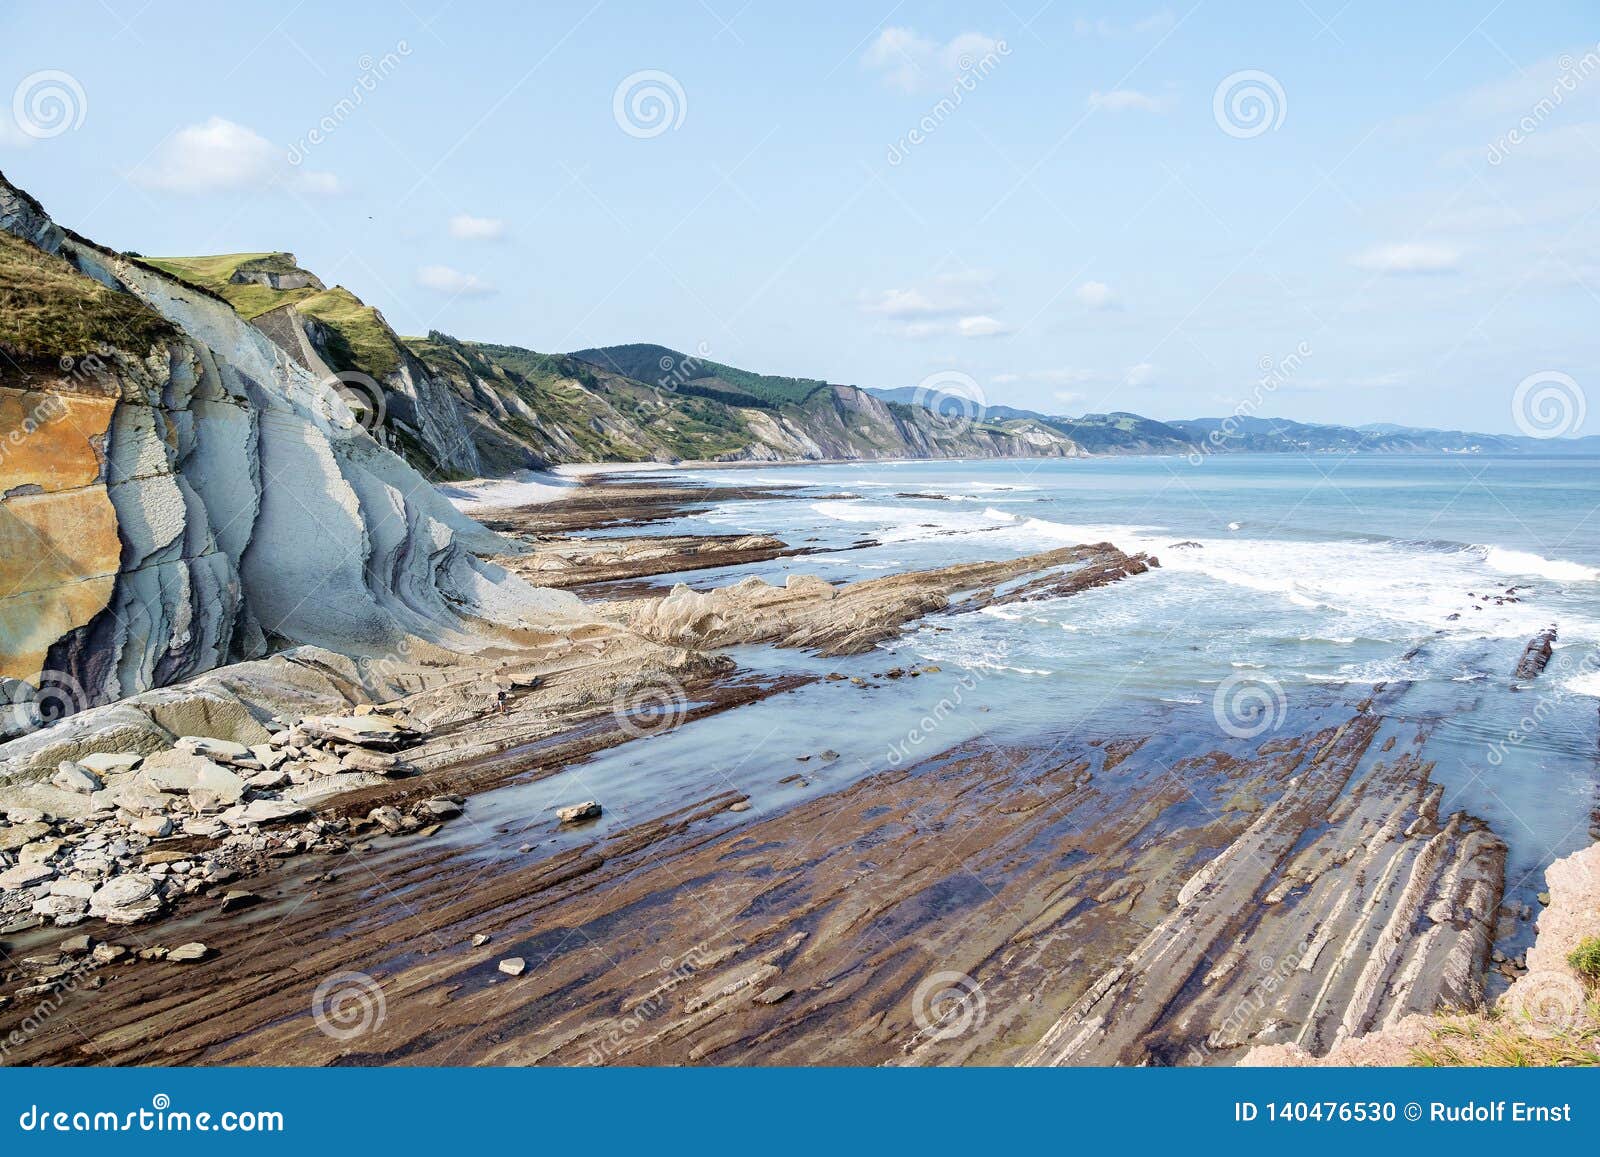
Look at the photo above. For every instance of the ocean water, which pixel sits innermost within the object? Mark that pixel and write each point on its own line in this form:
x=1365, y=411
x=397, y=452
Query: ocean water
x=1289, y=587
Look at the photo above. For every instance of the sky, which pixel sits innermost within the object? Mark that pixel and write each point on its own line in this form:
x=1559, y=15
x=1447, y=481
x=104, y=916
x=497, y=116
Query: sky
x=1356, y=213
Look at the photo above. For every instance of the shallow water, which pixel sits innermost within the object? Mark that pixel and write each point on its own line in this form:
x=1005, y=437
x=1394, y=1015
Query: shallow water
x=1308, y=581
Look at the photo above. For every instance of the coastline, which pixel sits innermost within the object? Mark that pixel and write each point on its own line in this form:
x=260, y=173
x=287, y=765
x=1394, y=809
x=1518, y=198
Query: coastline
x=756, y=948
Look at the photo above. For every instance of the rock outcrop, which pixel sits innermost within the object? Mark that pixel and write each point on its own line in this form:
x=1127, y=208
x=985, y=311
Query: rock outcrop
x=180, y=492
x=812, y=613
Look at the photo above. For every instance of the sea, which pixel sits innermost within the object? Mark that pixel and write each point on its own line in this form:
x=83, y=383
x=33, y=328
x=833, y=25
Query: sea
x=1290, y=587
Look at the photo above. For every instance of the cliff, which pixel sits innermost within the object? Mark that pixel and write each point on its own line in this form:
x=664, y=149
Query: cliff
x=178, y=491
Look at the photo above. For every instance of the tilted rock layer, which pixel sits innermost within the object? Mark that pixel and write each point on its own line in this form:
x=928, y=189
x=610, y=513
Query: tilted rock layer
x=178, y=492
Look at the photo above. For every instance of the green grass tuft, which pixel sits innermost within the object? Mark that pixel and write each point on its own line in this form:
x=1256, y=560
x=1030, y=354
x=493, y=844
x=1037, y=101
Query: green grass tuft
x=49, y=311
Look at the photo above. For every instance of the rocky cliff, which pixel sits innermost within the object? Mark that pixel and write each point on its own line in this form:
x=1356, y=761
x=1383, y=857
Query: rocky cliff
x=459, y=409
x=178, y=491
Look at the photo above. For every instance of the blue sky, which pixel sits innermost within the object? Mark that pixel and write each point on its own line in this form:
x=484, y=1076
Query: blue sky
x=1088, y=227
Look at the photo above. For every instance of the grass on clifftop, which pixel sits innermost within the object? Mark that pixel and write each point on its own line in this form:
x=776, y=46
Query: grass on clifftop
x=360, y=340
x=367, y=342
x=48, y=310
x=216, y=274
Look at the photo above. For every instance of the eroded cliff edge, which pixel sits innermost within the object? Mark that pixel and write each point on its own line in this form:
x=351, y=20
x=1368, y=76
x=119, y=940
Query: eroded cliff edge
x=178, y=492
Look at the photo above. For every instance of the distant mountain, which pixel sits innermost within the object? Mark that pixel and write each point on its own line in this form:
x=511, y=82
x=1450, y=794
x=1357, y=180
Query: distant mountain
x=1121, y=432
x=952, y=404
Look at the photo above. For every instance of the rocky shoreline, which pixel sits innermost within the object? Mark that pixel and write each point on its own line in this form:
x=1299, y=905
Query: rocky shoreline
x=185, y=871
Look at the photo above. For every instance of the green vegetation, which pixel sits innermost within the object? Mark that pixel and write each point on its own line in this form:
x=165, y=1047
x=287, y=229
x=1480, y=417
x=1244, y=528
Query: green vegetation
x=658, y=365
x=359, y=338
x=605, y=414
x=1496, y=1039
x=216, y=273
x=1585, y=959
x=48, y=310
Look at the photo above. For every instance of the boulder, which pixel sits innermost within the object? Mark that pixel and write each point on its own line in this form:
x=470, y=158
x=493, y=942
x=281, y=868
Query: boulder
x=25, y=876
x=155, y=827
x=387, y=818
x=125, y=899
x=579, y=812
x=192, y=951
x=262, y=811
x=237, y=899
x=111, y=762
x=515, y=966
x=224, y=749
x=76, y=778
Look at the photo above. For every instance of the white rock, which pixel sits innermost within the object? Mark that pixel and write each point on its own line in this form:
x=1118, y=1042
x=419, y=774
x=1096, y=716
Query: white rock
x=73, y=777
x=262, y=811
x=155, y=827
x=111, y=762
x=25, y=876
x=578, y=812
x=212, y=748
x=125, y=899
x=515, y=966
x=187, y=952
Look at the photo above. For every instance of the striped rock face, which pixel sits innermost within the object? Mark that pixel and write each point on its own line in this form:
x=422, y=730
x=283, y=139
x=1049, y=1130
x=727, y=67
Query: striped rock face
x=179, y=500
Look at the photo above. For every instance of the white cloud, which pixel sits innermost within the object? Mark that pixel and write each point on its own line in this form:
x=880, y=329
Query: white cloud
x=1126, y=100
x=981, y=325
x=904, y=303
x=466, y=227
x=220, y=156
x=11, y=136
x=1410, y=257
x=1097, y=295
x=318, y=184
x=1140, y=375
x=947, y=295
x=1159, y=21
x=912, y=63
x=443, y=279
x=1067, y=397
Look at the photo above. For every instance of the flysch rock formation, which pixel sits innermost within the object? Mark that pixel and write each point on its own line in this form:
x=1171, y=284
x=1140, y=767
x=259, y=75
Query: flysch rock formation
x=812, y=613
x=1550, y=988
x=203, y=498
x=1344, y=906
